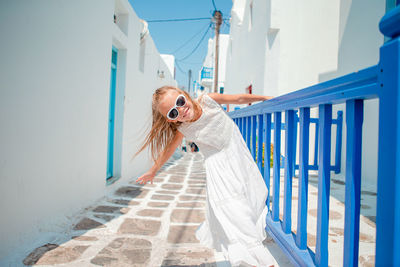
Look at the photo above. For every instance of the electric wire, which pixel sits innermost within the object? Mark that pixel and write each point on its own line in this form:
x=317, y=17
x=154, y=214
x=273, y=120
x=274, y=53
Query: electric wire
x=197, y=46
x=179, y=67
x=191, y=38
x=215, y=7
x=175, y=20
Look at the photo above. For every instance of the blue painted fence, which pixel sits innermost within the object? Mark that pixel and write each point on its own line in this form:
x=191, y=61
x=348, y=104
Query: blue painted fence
x=381, y=81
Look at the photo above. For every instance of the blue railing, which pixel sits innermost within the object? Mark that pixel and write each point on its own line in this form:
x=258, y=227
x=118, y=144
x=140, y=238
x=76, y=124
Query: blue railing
x=206, y=73
x=381, y=81
x=338, y=148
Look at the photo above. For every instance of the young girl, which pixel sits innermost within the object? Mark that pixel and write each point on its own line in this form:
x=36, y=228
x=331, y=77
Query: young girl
x=236, y=192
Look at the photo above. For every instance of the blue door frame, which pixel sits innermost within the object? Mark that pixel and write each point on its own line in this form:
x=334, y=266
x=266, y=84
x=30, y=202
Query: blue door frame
x=111, y=116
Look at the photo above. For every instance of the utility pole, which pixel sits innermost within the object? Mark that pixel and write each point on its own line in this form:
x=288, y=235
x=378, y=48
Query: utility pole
x=218, y=22
x=190, y=80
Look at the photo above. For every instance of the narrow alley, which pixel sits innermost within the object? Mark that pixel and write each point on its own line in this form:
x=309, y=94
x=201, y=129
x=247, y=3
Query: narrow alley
x=154, y=225
x=150, y=225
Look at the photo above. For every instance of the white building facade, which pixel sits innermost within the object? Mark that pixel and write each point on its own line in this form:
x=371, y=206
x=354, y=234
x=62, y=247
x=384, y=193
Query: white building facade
x=279, y=47
x=207, y=72
x=77, y=78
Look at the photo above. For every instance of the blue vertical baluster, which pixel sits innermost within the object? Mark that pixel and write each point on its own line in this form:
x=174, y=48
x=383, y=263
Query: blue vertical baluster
x=244, y=129
x=260, y=144
x=248, y=133
x=267, y=153
x=338, y=152
x=388, y=198
x=301, y=236
x=277, y=168
x=287, y=203
x=316, y=144
x=241, y=125
x=354, y=120
x=325, y=124
x=296, y=120
x=253, y=137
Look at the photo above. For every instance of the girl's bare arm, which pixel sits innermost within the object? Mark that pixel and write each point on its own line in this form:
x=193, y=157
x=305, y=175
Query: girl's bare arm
x=237, y=98
x=165, y=155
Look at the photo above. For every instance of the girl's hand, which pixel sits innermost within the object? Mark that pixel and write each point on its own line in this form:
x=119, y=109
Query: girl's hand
x=148, y=176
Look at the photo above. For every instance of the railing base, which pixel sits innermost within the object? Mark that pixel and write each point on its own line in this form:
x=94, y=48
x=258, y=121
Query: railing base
x=299, y=257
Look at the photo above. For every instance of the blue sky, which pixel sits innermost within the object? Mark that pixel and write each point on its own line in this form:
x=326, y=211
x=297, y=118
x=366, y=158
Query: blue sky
x=169, y=37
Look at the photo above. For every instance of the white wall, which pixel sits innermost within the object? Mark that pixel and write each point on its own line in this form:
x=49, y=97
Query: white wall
x=170, y=62
x=280, y=47
x=54, y=101
x=209, y=60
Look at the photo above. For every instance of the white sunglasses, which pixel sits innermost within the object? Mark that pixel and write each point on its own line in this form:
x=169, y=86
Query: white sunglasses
x=173, y=113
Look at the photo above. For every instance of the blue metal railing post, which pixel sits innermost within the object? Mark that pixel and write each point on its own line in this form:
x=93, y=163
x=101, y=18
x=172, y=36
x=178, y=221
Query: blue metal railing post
x=388, y=198
x=267, y=153
x=241, y=125
x=295, y=122
x=260, y=137
x=354, y=120
x=316, y=144
x=325, y=122
x=244, y=133
x=253, y=136
x=338, y=152
x=301, y=236
x=288, y=174
x=248, y=133
x=277, y=168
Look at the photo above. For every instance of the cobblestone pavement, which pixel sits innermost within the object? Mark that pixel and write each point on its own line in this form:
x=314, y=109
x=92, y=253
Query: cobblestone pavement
x=154, y=225
x=150, y=225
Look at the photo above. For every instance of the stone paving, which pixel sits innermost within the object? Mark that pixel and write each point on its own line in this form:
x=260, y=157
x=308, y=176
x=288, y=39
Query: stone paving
x=144, y=225
x=154, y=225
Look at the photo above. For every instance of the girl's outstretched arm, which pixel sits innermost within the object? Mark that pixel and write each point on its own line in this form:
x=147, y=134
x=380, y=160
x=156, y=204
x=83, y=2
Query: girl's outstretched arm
x=237, y=98
x=165, y=155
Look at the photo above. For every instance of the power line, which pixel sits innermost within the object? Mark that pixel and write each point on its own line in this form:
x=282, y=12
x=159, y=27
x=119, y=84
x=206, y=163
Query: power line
x=175, y=20
x=191, y=38
x=179, y=67
x=215, y=7
x=227, y=24
x=197, y=46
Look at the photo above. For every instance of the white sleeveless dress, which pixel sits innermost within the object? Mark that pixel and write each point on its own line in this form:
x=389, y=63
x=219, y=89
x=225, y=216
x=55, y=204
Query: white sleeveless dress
x=236, y=192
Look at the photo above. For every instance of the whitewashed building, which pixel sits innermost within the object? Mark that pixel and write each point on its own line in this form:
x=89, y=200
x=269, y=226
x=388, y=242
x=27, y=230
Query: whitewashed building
x=207, y=72
x=75, y=100
x=277, y=47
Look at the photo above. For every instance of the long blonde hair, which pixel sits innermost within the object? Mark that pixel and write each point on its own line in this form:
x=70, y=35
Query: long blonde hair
x=162, y=132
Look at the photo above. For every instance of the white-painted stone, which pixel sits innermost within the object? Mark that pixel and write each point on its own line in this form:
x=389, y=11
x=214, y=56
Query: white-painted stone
x=54, y=97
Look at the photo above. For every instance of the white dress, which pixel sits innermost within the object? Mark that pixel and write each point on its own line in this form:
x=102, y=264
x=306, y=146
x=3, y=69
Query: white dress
x=236, y=192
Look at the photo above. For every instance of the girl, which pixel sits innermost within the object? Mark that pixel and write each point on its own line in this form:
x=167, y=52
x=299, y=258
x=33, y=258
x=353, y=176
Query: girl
x=236, y=192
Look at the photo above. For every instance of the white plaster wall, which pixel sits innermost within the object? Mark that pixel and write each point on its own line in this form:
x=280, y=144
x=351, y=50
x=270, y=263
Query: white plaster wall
x=286, y=46
x=246, y=49
x=137, y=120
x=170, y=62
x=223, y=51
x=54, y=101
x=359, y=43
x=209, y=60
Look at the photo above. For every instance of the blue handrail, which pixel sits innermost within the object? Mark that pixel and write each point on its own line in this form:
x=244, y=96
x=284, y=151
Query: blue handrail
x=255, y=123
